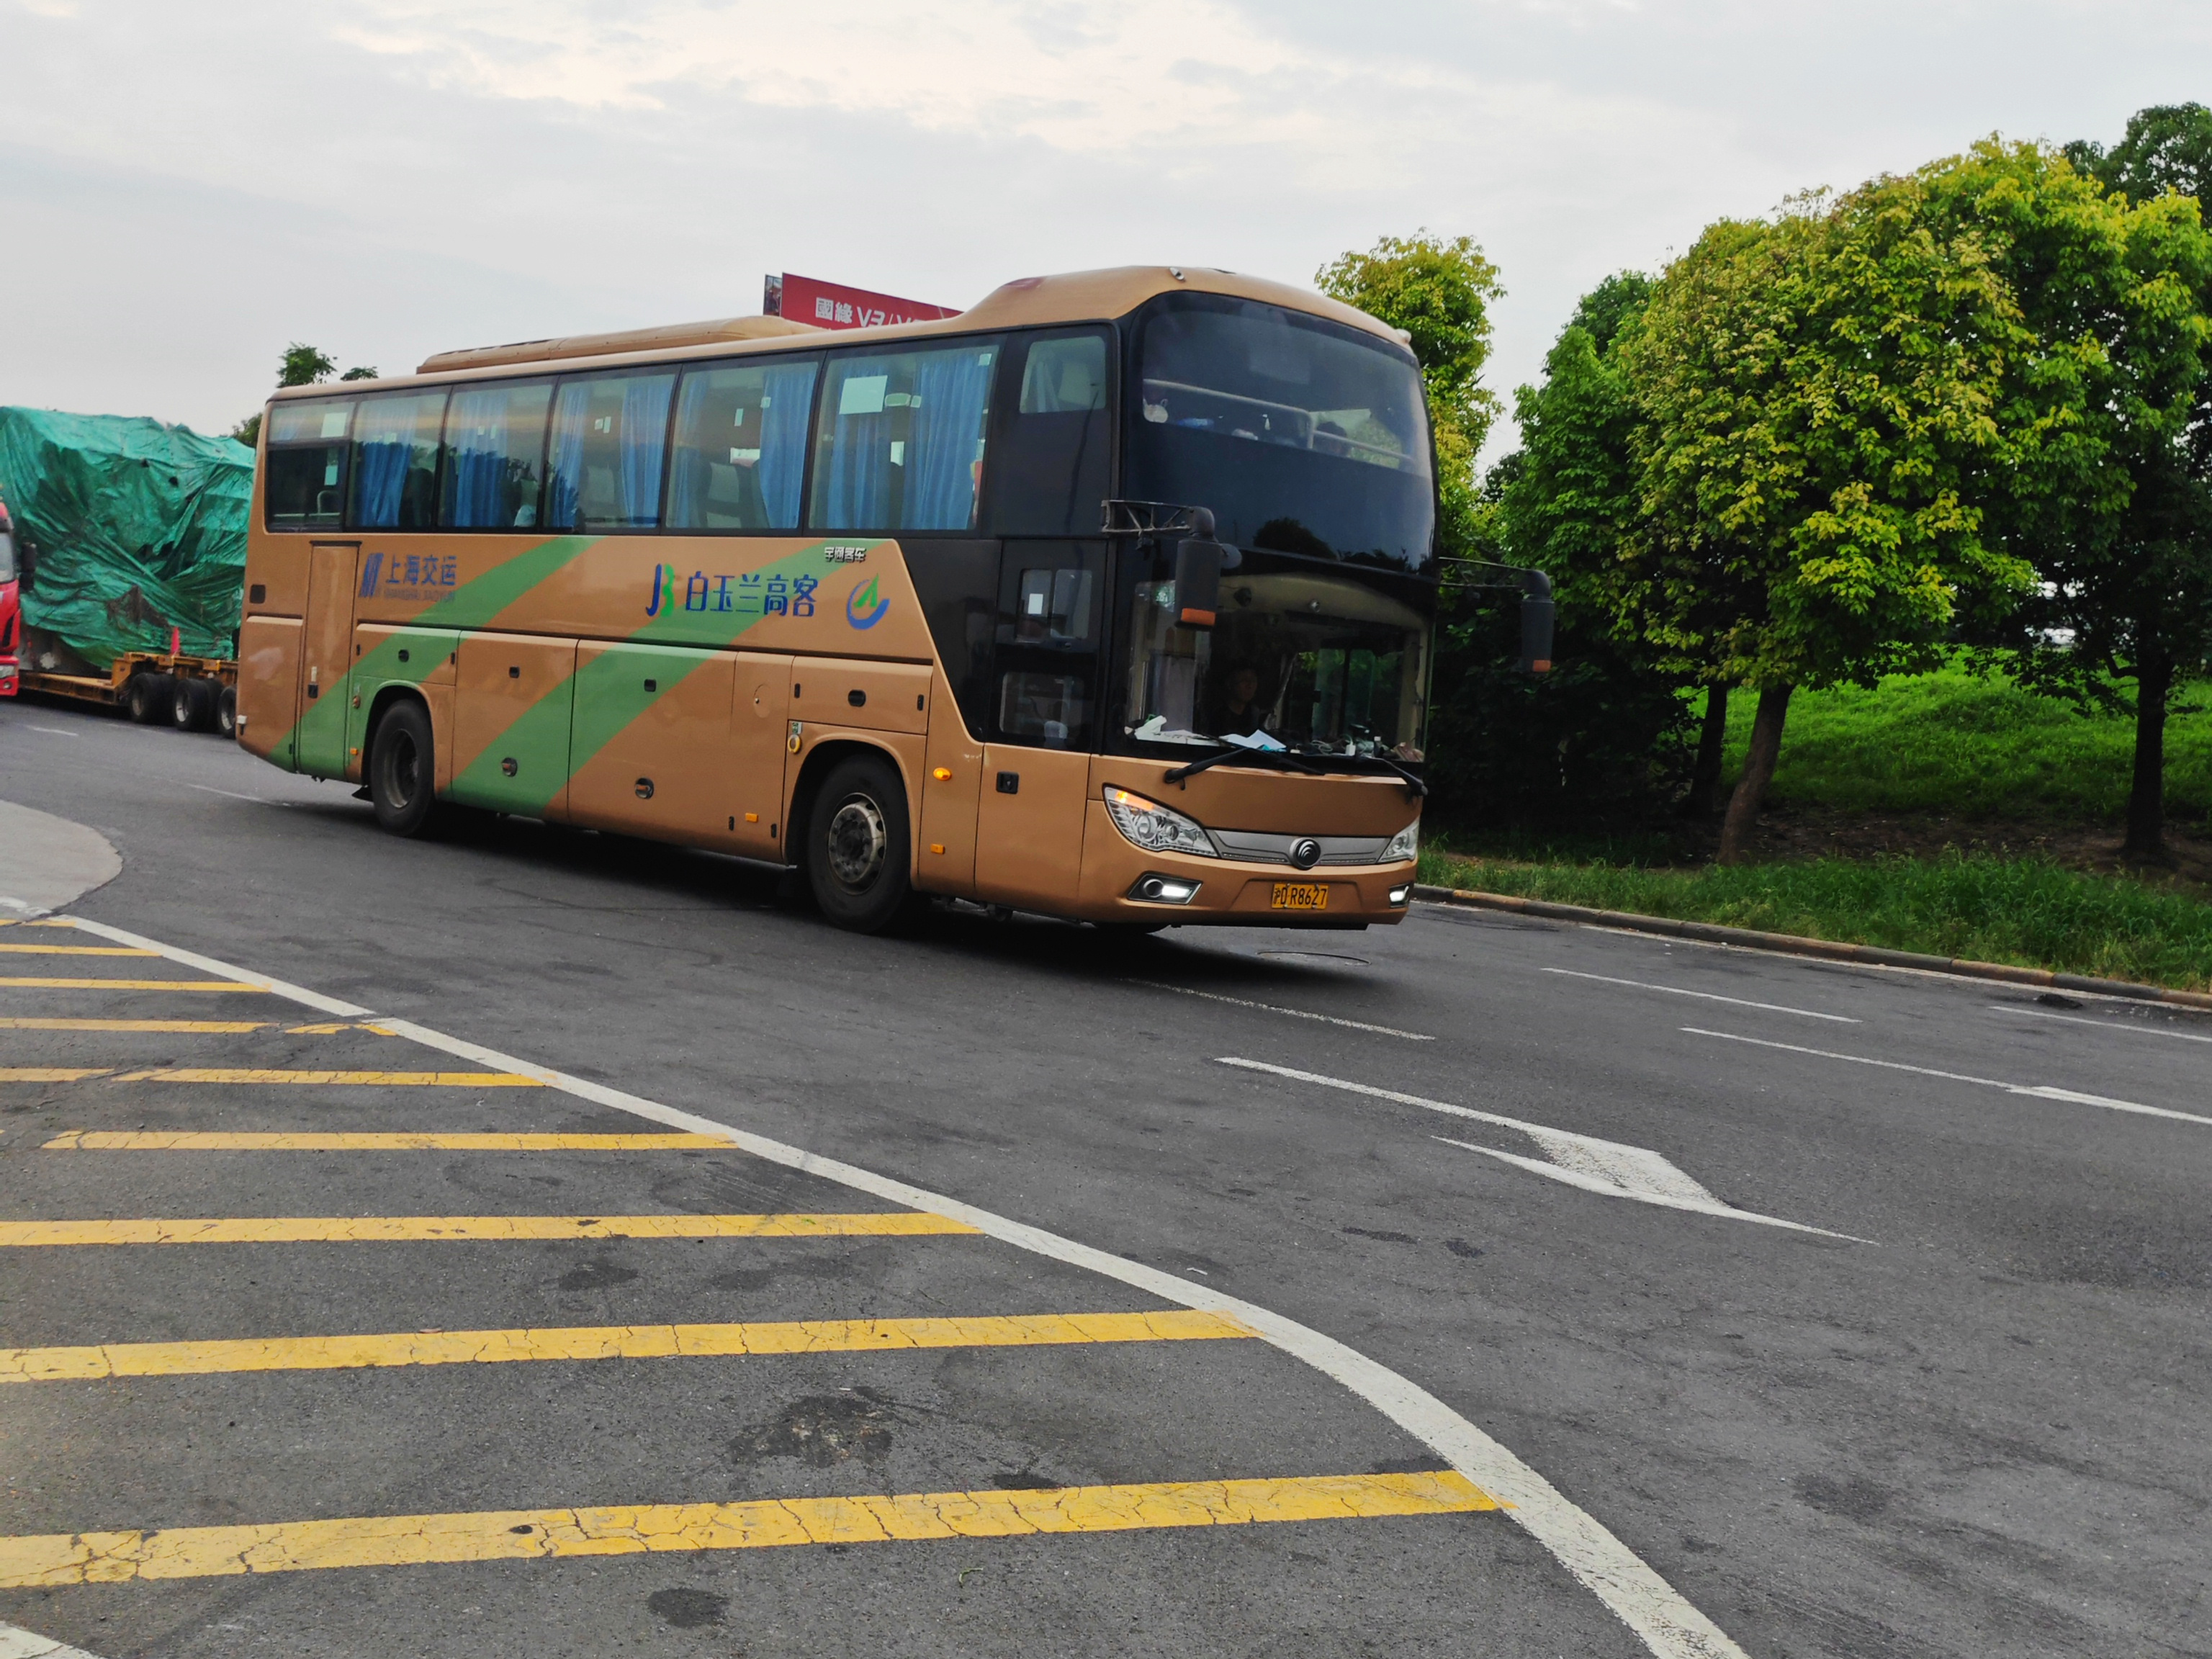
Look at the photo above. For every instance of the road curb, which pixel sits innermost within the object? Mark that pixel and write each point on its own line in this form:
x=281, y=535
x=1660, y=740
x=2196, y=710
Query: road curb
x=1793, y=945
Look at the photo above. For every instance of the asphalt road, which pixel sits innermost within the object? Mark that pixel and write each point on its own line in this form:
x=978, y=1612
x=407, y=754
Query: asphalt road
x=1958, y=1406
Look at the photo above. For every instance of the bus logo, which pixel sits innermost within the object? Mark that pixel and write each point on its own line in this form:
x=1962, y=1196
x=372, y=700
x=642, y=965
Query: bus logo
x=863, y=607
x=664, y=589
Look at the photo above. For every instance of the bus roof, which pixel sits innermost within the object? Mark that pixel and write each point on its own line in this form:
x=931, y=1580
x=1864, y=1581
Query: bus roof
x=1029, y=302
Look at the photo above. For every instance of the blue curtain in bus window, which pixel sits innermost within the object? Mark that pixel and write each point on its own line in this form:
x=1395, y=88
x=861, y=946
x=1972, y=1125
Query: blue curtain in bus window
x=952, y=391
x=564, y=454
x=395, y=461
x=789, y=390
x=494, y=442
x=644, y=442
x=855, y=490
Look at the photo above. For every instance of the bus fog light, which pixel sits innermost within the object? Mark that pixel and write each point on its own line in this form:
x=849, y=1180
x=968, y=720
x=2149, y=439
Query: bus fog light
x=1163, y=890
x=1157, y=828
x=1399, y=895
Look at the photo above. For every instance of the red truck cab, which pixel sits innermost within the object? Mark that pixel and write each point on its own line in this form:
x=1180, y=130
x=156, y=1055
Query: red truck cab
x=11, y=608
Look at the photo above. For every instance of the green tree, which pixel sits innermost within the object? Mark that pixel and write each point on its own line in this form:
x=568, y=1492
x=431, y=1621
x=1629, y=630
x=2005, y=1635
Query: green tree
x=2130, y=569
x=1816, y=398
x=303, y=365
x=1439, y=292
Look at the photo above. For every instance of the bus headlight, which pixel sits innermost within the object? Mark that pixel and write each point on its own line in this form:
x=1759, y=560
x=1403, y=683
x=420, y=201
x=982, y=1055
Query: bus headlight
x=1406, y=844
x=1154, y=828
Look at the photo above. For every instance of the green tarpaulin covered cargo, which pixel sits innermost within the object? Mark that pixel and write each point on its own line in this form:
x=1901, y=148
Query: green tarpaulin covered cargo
x=140, y=527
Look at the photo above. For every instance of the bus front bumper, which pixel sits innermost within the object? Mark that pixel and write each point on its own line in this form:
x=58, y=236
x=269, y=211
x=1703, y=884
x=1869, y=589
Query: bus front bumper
x=1122, y=882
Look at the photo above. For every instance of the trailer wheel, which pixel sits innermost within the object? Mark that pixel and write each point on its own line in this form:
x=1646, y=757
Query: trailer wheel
x=146, y=698
x=226, y=711
x=191, y=703
x=403, y=770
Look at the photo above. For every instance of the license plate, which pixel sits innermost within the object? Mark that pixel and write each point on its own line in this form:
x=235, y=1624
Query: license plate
x=1301, y=895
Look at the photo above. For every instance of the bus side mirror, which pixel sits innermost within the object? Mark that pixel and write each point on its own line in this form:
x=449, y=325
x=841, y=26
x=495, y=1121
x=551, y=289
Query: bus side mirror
x=1537, y=614
x=1199, y=561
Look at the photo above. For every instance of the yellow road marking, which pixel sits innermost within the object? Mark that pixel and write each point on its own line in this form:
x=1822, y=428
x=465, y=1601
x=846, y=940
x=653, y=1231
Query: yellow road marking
x=64, y=922
x=395, y=1228
x=50, y=1074
x=77, y=950
x=389, y=1541
x=205, y=1027
x=397, y=1079
x=327, y=1353
x=134, y=984
x=213, y=1140
x=333, y=1029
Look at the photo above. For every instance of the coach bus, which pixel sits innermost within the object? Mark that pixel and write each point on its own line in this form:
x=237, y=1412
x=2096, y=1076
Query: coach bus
x=1112, y=599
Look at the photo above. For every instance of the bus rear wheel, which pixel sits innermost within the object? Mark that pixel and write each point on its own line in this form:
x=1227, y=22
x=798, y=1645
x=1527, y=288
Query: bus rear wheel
x=858, y=854
x=403, y=770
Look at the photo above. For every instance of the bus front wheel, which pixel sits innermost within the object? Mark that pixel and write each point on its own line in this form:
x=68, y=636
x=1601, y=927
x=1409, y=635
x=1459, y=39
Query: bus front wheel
x=403, y=770
x=858, y=854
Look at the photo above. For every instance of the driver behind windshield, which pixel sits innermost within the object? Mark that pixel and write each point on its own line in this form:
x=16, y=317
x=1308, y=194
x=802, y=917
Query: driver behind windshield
x=1238, y=713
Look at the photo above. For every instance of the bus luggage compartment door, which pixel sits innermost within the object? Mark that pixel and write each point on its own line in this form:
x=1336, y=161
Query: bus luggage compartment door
x=648, y=750
x=512, y=698
x=326, y=659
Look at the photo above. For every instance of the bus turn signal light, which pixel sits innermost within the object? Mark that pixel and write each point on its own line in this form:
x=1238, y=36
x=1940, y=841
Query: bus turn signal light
x=943, y=775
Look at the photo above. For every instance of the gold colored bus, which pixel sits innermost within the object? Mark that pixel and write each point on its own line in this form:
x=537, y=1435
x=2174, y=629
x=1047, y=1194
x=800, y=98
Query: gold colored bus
x=1112, y=599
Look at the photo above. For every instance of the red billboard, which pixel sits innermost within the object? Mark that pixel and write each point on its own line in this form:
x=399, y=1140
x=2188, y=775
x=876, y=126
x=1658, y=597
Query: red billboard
x=832, y=304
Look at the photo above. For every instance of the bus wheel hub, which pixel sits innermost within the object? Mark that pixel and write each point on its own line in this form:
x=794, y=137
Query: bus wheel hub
x=858, y=842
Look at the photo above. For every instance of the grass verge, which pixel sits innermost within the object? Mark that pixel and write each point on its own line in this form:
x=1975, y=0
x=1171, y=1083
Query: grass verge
x=2024, y=911
x=1965, y=744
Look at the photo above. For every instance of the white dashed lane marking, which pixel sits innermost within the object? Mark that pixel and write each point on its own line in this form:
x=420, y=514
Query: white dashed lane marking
x=2037, y=1091
x=1704, y=996
x=2123, y=1023
x=1295, y=1014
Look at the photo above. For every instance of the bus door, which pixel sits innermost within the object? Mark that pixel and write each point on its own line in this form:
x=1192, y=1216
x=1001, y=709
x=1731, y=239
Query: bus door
x=326, y=659
x=649, y=739
x=1044, y=720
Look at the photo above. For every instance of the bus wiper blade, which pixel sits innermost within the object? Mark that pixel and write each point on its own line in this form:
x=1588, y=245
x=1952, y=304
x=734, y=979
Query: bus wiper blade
x=1234, y=752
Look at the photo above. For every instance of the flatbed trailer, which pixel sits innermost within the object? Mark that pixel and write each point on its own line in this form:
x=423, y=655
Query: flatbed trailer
x=194, y=694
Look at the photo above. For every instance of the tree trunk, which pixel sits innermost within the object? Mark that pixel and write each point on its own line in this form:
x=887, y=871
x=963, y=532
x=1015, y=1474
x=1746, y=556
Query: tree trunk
x=1758, y=772
x=2147, y=795
x=1705, y=797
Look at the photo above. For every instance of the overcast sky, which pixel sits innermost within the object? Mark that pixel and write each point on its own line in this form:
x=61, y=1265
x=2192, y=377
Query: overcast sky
x=187, y=188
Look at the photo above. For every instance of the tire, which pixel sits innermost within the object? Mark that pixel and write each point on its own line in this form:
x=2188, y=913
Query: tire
x=226, y=711
x=858, y=853
x=403, y=770
x=146, y=698
x=191, y=703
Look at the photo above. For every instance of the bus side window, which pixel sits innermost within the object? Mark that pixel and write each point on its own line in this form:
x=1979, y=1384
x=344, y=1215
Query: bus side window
x=306, y=488
x=494, y=457
x=603, y=465
x=1049, y=473
x=740, y=448
x=395, y=460
x=900, y=446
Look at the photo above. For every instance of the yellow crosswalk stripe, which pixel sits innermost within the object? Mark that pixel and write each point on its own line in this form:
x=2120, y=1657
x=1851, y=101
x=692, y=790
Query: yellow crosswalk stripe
x=200, y=1027
x=50, y=1074
x=133, y=985
x=76, y=950
x=402, y=1228
x=393, y=1080
x=327, y=1353
x=387, y=1540
x=217, y=1140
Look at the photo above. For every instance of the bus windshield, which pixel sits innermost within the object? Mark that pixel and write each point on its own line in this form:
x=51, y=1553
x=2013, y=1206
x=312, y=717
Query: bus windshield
x=1302, y=436
x=1299, y=659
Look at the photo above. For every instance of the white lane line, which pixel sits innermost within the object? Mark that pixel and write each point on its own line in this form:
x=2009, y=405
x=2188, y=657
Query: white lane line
x=1610, y=1167
x=1708, y=996
x=1666, y=1620
x=18, y=1644
x=1295, y=1014
x=55, y=731
x=209, y=789
x=2103, y=1024
x=2040, y=1090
